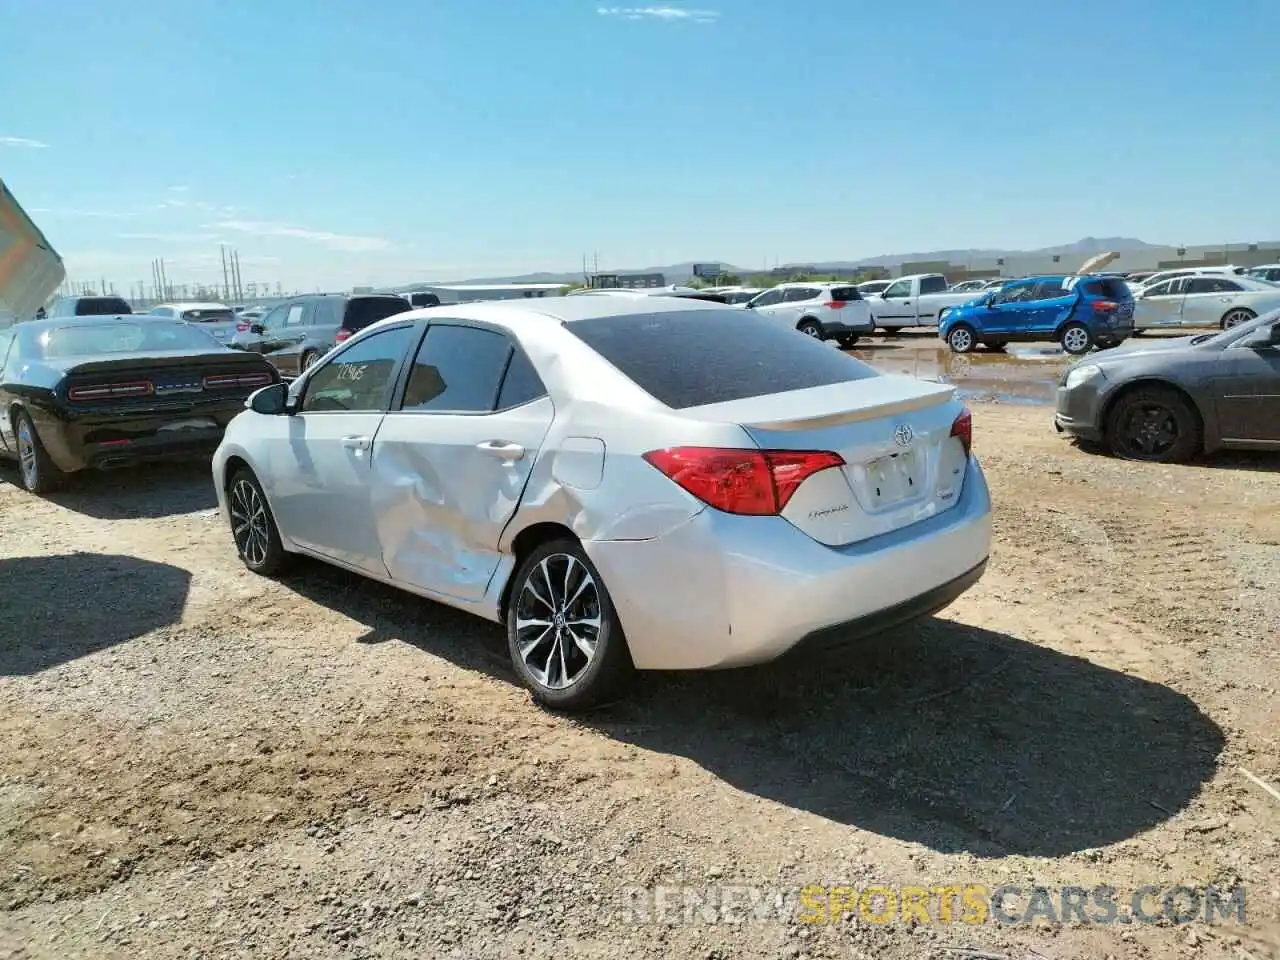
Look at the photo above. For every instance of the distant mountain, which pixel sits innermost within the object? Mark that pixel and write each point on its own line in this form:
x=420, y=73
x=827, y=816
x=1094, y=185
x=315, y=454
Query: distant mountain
x=675, y=272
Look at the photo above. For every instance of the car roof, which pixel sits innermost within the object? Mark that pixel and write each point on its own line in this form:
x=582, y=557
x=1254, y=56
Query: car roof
x=192, y=305
x=554, y=311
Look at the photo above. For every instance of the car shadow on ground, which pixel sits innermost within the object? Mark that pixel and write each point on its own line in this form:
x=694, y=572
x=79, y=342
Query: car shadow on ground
x=147, y=491
x=55, y=609
x=940, y=733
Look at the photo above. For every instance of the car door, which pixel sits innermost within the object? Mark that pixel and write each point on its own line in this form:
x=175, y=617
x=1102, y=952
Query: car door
x=7, y=441
x=769, y=303
x=1007, y=311
x=1052, y=301
x=287, y=339
x=1160, y=305
x=258, y=337
x=1207, y=300
x=897, y=308
x=451, y=461
x=796, y=303
x=319, y=466
x=1249, y=393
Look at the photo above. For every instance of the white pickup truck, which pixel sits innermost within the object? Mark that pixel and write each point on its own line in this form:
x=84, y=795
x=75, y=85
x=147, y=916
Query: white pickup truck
x=915, y=301
x=30, y=269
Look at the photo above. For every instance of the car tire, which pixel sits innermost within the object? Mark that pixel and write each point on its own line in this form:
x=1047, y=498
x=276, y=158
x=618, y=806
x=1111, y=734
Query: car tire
x=1235, y=317
x=847, y=340
x=307, y=361
x=1076, y=339
x=563, y=668
x=811, y=328
x=39, y=474
x=1154, y=424
x=961, y=338
x=253, y=526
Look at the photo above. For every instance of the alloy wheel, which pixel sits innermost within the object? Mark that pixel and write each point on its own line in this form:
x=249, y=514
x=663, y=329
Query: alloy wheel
x=1149, y=429
x=27, y=454
x=249, y=523
x=961, y=340
x=1076, y=340
x=1235, y=318
x=558, y=621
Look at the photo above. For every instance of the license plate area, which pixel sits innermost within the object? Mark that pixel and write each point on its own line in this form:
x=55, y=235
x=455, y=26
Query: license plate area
x=893, y=480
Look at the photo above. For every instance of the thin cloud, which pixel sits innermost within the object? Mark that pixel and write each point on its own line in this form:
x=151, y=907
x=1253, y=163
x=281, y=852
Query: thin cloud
x=665, y=14
x=172, y=237
x=335, y=241
x=22, y=142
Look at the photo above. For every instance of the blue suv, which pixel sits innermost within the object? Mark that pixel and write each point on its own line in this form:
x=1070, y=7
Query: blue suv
x=1080, y=312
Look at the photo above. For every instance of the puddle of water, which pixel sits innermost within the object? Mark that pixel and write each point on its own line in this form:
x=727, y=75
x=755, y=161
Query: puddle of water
x=1027, y=374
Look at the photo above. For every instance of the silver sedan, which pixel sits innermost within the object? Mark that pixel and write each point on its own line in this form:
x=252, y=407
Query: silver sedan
x=625, y=483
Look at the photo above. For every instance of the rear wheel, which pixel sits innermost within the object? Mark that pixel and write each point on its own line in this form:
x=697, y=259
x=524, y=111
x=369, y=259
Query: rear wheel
x=40, y=475
x=1233, y=318
x=811, y=328
x=1076, y=339
x=1155, y=424
x=961, y=338
x=563, y=634
x=847, y=340
x=253, y=527
x=308, y=361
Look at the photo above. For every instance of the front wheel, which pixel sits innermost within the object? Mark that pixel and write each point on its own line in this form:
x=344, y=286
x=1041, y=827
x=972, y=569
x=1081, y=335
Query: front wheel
x=1076, y=339
x=847, y=340
x=40, y=475
x=1155, y=424
x=811, y=328
x=253, y=528
x=961, y=339
x=563, y=634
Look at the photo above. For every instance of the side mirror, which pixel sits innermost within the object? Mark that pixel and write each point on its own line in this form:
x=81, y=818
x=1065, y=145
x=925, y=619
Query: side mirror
x=749, y=305
x=1265, y=338
x=271, y=401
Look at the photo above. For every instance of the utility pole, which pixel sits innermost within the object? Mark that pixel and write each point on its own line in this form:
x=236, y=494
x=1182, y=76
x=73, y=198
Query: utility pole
x=239, y=285
x=164, y=281
x=226, y=285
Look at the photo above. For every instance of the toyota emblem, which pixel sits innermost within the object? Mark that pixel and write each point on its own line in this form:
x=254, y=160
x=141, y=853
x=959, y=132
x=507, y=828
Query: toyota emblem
x=902, y=436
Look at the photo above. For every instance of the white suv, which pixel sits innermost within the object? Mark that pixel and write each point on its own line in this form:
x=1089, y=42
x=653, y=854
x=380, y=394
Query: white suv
x=823, y=310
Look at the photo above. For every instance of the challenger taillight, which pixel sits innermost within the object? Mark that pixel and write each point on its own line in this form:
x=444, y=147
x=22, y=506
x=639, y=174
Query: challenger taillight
x=752, y=482
x=342, y=335
x=112, y=391
x=962, y=428
x=227, y=381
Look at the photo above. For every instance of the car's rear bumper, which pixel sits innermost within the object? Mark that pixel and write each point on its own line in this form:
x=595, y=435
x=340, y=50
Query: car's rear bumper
x=727, y=591
x=100, y=443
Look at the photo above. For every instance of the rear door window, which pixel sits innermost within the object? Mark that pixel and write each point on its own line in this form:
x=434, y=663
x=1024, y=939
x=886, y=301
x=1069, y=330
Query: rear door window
x=1211, y=285
x=800, y=294
x=664, y=355
x=767, y=299
x=1048, y=290
x=101, y=306
x=327, y=312
x=457, y=370
x=362, y=311
x=933, y=285
x=845, y=293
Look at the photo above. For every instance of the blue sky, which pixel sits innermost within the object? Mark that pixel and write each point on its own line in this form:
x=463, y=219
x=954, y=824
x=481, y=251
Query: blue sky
x=339, y=143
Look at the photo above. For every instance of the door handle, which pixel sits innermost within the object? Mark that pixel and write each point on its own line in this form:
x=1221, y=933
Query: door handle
x=501, y=449
x=356, y=443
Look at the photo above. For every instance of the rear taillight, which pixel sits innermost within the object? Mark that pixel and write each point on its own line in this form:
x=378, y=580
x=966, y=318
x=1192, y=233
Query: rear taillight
x=242, y=327
x=752, y=482
x=1105, y=306
x=343, y=334
x=962, y=427
x=836, y=304
x=225, y=381
x=112, y=391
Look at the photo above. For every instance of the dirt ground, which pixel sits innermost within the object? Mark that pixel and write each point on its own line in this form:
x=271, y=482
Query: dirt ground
x=198, y=762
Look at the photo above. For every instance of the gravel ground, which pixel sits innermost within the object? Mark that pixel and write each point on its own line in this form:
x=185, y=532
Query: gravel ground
x=199, y=762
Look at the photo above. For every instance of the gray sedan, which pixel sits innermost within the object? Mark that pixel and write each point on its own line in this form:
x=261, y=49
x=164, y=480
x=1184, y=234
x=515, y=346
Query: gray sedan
x=1177, y=399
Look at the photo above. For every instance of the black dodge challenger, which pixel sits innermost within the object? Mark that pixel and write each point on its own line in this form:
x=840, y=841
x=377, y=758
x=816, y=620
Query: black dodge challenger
x=79, y=393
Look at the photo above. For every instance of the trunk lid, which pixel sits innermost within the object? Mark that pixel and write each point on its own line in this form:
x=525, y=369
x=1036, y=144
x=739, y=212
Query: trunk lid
x=902, y=464
x=175, y=378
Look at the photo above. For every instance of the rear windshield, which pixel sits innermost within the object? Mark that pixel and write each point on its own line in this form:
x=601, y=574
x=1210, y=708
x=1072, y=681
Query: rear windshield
x=362, y=311
x=93, y=339
x=101, y=306
x=715, y=356
x=845, y=293
x=208, y=316
x=1112, y=288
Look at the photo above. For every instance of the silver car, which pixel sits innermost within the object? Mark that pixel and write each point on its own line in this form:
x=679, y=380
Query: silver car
x=624, y=482
x=216, y=319
x=1204, y=301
